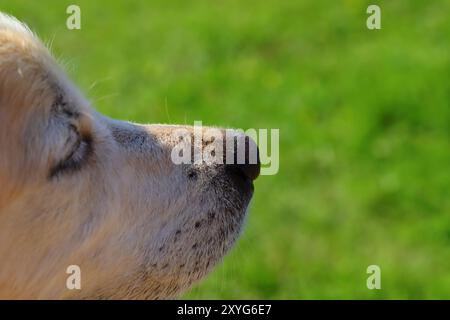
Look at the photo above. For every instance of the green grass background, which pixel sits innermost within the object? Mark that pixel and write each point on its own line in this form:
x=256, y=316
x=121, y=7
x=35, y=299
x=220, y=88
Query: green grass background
x=364, y=119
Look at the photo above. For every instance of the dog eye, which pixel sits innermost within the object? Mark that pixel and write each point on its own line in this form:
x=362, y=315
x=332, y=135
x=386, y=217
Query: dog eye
x=76, y=157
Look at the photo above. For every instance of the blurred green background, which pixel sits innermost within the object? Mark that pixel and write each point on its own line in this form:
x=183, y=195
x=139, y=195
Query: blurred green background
x=364, y=119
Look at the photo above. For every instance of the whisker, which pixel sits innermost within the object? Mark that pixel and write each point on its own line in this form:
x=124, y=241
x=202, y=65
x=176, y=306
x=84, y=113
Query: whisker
x=97, y=82
x=167, y=109
x=105, y=97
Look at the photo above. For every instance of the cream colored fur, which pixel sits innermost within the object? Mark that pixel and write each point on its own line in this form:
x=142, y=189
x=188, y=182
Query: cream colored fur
x=138, y=225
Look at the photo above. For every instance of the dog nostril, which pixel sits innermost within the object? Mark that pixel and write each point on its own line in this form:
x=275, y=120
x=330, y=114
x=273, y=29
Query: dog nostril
x=246, y=160
x=250, y=171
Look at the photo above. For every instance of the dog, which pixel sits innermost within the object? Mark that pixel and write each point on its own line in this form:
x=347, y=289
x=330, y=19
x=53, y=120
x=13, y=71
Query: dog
x=78, y=188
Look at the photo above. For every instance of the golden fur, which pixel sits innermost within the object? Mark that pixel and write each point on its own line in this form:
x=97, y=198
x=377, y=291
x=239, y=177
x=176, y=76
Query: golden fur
x=80, y=188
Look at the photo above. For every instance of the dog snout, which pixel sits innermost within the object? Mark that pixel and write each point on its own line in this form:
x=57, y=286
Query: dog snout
x=245, y=158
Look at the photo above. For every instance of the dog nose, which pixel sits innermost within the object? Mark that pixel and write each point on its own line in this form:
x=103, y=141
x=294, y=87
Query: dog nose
x=245, y=157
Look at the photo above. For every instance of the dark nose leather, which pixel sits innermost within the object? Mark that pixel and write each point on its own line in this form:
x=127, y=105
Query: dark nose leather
x=246, y=159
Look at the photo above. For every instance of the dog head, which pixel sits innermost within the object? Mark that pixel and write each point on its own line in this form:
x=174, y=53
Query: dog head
x=78, y=188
